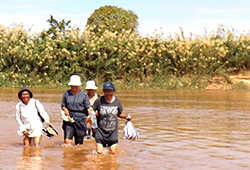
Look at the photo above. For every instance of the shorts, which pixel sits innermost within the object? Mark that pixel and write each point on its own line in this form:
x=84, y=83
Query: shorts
x=70, y=132
x=107, y=139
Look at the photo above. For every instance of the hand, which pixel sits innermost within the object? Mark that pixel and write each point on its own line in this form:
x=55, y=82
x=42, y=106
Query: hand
x=26, y=133
x=89, y=125
x=66, y=112
x=129, y=117
x=89, y=122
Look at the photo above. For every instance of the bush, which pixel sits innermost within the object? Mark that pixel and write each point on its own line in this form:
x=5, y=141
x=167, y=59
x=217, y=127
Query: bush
x=43, y=60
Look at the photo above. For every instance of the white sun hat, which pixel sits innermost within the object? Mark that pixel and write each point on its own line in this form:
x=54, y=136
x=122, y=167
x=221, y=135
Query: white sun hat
x=90, y=85
x=75, y=80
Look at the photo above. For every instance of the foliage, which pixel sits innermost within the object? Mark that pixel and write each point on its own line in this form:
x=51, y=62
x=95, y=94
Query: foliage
x=113, y=19
x=61, y=26
x=171, y=62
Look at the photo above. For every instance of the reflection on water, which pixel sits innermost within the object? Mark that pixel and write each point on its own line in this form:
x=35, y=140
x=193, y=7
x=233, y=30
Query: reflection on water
x=178, y=130
x=80, y=157
x=30, y=159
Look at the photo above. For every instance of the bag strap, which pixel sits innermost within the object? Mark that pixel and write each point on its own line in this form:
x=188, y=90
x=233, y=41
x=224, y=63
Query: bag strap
x=20, y=112
x=42, y=119
x=36, y=109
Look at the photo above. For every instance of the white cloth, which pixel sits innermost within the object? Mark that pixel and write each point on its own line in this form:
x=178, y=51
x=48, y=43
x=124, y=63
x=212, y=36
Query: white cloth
x=28, y=119
x=93, y=99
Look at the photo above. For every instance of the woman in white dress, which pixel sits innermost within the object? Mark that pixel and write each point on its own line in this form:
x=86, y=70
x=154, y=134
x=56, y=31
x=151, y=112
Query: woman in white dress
x=27, y=116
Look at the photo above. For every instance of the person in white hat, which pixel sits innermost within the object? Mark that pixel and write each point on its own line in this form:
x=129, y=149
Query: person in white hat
x=91, y=91
x=75, y=103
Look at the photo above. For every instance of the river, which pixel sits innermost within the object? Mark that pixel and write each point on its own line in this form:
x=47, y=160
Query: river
x=178, y=130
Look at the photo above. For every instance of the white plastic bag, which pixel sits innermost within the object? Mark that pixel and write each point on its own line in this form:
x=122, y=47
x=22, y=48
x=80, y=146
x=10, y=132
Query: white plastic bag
x=129, y=131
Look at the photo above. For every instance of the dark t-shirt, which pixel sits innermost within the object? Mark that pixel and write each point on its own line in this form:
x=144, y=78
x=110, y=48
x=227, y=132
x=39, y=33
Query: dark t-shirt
x=107, y=113
x=77, y=104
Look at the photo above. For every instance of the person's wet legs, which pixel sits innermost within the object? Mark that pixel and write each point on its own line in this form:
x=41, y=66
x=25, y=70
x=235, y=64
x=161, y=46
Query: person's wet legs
x=36, y=141
x=113, y=149
x=79, y=140
x=99, y=148
x=26, y=141
x=88, y=133
x=68, y=134
x=68, y=141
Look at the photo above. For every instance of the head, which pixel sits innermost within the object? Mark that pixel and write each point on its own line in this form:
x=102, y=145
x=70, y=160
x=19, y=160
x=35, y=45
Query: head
x=75, y=83
x=91, y=88
x=25, y=94
x=108, y=90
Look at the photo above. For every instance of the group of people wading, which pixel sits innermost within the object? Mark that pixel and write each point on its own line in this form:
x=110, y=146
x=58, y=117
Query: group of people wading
x=77, y=105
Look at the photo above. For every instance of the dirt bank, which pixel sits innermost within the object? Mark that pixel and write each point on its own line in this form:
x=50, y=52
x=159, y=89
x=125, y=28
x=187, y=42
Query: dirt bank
x=227, y=83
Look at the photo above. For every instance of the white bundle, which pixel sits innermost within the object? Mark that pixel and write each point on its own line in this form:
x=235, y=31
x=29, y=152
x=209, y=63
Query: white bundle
x=129, y=131
x=66, y=118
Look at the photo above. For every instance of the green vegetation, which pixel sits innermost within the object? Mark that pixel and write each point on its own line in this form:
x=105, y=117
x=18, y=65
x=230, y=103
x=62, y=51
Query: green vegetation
x=61, y=26
x=131, y=61
x=113, y=19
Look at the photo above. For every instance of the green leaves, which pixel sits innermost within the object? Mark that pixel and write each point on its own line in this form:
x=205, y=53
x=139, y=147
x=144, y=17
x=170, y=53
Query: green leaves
x=112, y=19
x=56, y=28
x=27, y=59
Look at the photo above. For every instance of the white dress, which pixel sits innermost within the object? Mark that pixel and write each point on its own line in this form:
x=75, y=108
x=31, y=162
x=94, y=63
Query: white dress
x=28, y=119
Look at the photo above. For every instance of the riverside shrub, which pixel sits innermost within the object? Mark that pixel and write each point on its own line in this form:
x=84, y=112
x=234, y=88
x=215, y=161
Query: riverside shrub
x=35, y=60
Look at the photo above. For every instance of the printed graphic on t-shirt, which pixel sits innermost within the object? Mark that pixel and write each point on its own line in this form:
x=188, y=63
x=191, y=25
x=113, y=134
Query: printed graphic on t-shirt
x=109, y=117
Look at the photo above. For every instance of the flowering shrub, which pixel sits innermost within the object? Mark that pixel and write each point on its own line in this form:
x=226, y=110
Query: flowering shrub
x=35, y=60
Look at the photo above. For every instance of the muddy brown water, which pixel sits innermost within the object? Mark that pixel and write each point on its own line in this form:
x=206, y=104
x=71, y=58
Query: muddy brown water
x=178, y=130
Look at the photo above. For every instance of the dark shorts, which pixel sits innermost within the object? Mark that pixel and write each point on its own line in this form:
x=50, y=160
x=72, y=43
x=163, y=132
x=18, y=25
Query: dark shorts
x=107, y=139
x=70, y=132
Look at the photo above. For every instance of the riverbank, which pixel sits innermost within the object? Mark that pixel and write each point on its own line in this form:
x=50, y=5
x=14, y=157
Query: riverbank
x=240, y=81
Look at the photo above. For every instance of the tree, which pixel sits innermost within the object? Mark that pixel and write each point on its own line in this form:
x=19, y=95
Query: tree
x=113, y=19
x=62, y=26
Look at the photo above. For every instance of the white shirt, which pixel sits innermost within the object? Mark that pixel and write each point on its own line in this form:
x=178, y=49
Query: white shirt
x=93, y=99
x=28, y=119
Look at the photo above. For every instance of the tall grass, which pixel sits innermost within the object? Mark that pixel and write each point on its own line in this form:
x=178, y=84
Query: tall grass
x=42, y=60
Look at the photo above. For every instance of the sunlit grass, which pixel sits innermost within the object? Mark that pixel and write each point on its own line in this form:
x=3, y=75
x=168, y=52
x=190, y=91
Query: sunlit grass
x=172, y=62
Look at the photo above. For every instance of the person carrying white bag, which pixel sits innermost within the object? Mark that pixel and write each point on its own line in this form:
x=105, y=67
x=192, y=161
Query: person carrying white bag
x=108, y=108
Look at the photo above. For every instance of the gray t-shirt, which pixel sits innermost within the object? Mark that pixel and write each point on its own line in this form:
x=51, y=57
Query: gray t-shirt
x=108, y=112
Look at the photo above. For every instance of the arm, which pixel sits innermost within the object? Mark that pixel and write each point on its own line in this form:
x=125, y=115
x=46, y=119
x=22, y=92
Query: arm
x=89, y=110
x=87, y=103
x=95, y=106
x=121, y=114
x=22, y=127
x=124, y=116
x=63, y=105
